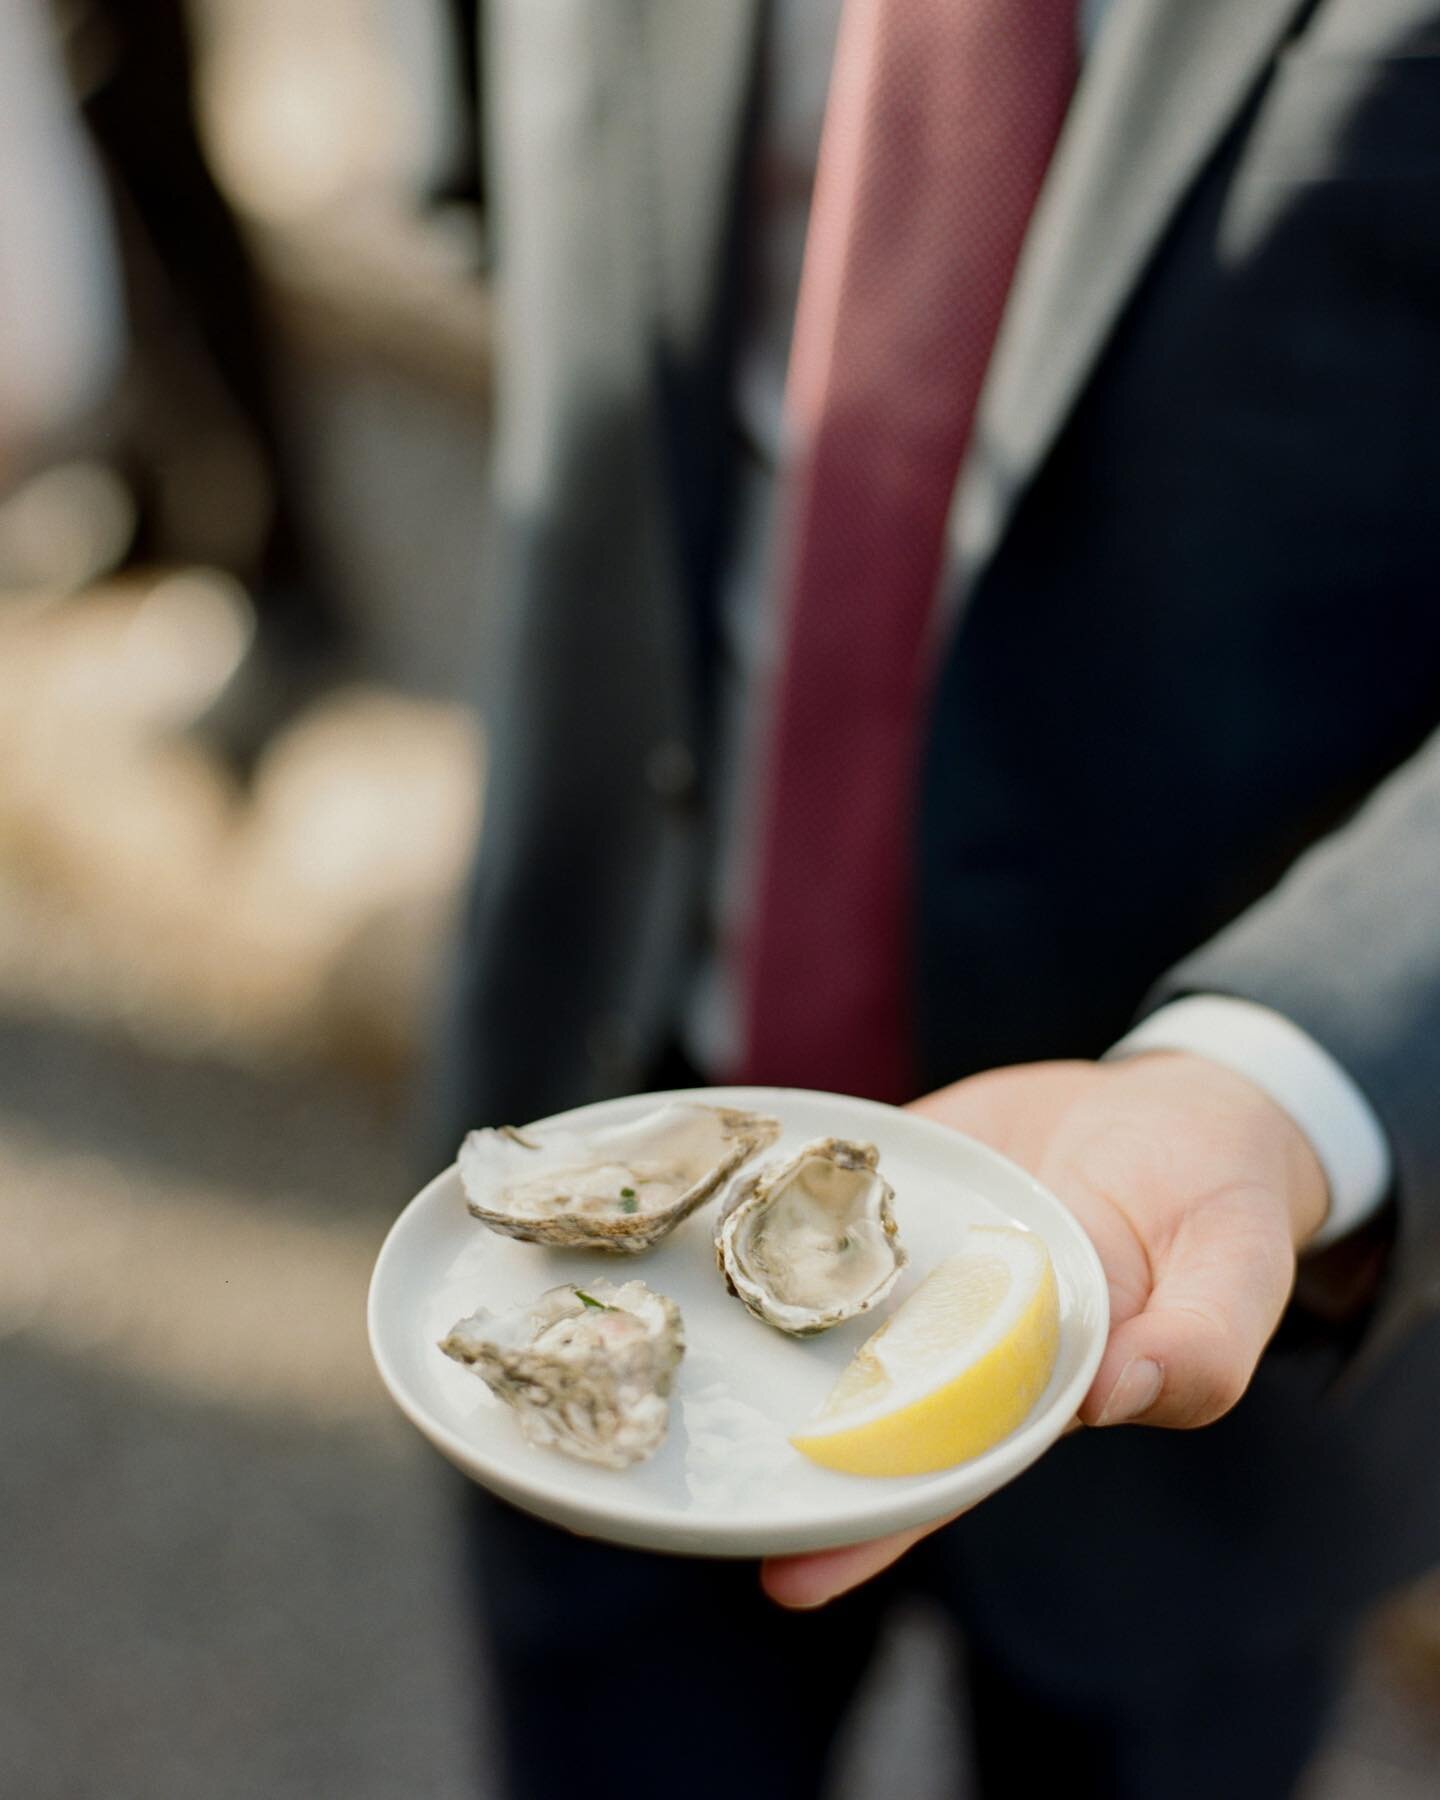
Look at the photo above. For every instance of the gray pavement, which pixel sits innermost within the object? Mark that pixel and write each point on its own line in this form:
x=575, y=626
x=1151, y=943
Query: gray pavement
x=220, y=1577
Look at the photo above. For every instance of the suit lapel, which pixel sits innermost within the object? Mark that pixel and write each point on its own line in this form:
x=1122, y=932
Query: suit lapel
x=698, y=60
x=1162, y=85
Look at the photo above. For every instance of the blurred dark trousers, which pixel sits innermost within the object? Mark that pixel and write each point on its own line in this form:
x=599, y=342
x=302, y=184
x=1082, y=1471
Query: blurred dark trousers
x=137, y=72
x=1122, y=1642
x=654, y=1678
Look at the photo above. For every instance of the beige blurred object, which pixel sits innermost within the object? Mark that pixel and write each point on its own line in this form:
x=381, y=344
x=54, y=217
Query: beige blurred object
x=304, y=922
x=63, y=527
x=360, y=831
x=303, y=106
x=327, y=125
x=368, y=279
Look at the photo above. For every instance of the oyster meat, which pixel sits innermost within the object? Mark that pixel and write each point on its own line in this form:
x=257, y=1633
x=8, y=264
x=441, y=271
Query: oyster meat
x=588, y=1370
x=620, y=1188
x=811, y=1241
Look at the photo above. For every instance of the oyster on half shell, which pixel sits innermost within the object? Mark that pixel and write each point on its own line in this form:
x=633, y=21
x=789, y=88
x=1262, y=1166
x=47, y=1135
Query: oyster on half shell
x=587, y=1370
x=619, y=1188
x=811, y=1241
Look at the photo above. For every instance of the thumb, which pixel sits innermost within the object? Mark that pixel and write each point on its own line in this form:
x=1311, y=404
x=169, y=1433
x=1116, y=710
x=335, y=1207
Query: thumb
x=811, y=1580
x=1218, y=1293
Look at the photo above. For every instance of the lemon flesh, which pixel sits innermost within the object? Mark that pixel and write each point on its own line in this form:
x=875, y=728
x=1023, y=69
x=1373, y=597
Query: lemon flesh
x=954, y=1371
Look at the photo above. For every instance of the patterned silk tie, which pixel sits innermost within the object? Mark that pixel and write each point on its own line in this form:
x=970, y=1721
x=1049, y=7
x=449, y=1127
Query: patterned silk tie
x=941, y=122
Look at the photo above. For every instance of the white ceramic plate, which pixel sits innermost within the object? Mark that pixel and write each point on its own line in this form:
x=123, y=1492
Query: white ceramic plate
x=726, y=1482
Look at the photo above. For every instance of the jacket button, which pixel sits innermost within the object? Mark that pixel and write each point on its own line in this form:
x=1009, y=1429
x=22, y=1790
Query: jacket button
x=670, y=772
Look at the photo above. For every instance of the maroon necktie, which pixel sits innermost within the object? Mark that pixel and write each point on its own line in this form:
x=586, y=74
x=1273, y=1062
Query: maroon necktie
x=941, y=122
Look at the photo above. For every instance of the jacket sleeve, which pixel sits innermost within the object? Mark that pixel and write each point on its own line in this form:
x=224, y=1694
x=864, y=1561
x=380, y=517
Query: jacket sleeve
x=1348, y=947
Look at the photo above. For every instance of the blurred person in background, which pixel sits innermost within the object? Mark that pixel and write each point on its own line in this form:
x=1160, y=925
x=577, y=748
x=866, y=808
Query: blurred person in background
x=1065, y=652
x=61, y=324
x=194, y=301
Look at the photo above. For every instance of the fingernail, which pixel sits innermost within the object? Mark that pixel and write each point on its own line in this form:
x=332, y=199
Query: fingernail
x=1135, y=1392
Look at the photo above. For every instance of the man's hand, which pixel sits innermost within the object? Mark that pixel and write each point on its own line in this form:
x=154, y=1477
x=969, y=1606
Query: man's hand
x=1196, y=1189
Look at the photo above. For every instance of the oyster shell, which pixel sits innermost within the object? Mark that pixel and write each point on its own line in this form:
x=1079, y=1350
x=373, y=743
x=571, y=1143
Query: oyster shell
x=810, y=1242
x=588, y=1370
x=620, y=1188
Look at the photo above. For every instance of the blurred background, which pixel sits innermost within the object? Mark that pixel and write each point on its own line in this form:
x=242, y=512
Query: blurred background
x=244, y=355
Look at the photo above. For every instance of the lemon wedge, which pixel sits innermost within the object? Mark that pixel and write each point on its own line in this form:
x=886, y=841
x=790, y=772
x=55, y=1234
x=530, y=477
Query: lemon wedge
x=956, y=1368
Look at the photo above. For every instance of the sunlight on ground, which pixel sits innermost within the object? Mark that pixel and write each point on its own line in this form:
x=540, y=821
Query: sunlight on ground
x=192, y=1289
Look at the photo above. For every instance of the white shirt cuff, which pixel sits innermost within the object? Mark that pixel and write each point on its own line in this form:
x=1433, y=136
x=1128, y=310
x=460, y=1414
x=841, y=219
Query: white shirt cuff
x=1287, y=1064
